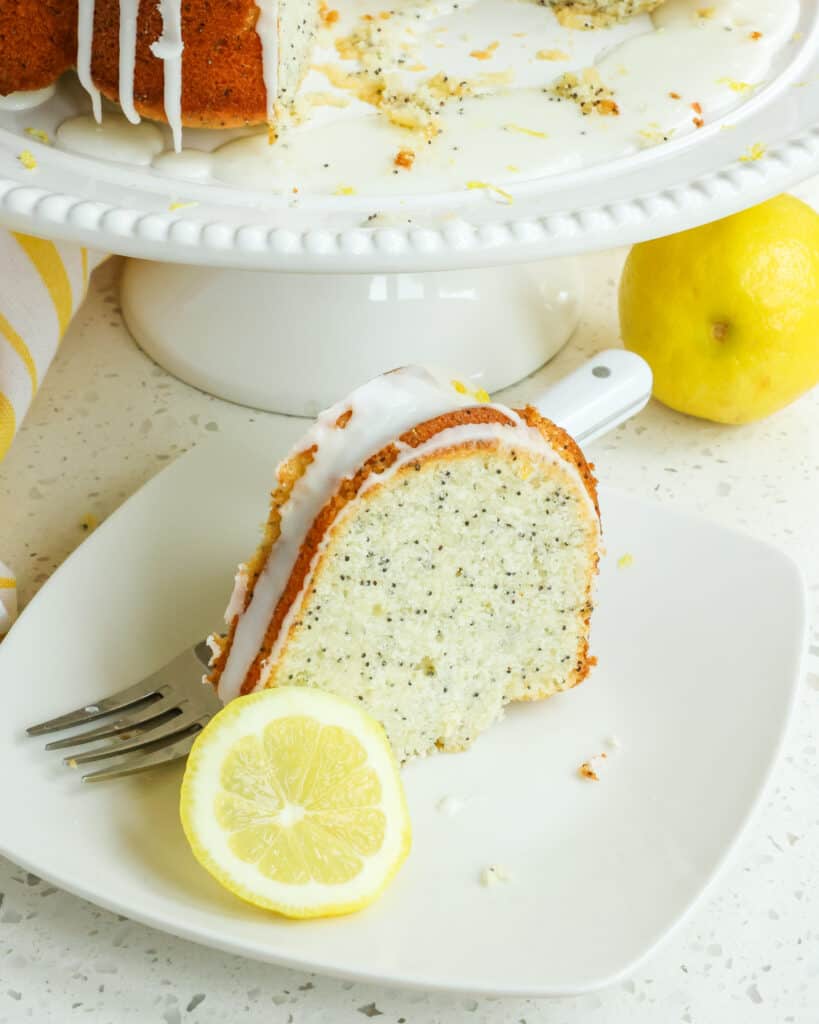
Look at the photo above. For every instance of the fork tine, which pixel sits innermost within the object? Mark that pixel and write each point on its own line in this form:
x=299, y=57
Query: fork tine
x=151, y=740
x=116, y=702
x=131, y=765
x=142, y=719
x=187, y=665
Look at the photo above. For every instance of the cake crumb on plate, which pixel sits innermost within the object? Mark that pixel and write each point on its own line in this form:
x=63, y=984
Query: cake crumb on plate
x=494, y=874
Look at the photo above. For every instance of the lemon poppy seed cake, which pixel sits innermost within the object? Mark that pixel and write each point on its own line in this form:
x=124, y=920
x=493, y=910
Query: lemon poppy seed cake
x=428, y=555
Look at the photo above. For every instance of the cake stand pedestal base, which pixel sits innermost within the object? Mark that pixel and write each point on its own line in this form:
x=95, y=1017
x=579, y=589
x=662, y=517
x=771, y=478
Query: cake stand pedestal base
x=293, y=343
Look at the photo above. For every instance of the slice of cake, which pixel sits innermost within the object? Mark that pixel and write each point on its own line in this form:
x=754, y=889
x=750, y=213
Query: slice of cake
x=428, y=555
x=585, y=14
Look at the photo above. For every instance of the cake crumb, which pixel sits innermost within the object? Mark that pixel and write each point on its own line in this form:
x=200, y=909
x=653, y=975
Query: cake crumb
x=551, y=55
x=404, y=158
x=449, y=806
x=624, y=561
x=588, y=91
x=328, y=15
x=344, y=190
x=494, y=874
x=89, y=522
x=588, y=769
x=182, y=205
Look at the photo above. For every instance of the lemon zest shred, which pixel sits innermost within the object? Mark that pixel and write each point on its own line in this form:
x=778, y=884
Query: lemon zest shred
x=39, y=135
x=485, y=54
x=488, y=187
x=755, y=152
x=735, y=85
x=522, y=130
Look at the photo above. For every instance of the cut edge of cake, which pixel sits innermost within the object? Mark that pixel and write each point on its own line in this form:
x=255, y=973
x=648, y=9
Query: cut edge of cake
x=591, y=14
x=289, y=652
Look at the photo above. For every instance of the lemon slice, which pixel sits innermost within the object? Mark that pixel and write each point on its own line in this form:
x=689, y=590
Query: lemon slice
x=292, y=800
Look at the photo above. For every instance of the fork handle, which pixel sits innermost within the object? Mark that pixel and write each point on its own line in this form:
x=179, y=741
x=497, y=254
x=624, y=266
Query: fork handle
x=606, y=390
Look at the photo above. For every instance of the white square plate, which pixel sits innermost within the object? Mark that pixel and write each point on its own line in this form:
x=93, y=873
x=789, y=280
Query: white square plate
x=699, y=641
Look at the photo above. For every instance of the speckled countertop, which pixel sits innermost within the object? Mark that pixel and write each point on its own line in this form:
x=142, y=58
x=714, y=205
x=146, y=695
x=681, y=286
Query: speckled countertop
x=107, y=419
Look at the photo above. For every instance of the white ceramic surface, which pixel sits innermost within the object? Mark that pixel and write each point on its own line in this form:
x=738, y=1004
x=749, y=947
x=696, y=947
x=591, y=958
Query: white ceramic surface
x=292, y=343
x=666, y=188
x=697, y=675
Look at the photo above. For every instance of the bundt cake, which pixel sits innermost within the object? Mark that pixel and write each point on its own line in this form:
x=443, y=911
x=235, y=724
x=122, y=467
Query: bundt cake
x=205, y=63
x=427, y=554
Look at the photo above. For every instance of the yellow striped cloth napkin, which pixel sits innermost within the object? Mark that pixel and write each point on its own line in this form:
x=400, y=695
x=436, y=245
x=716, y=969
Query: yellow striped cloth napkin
x=42, y=284
x=8, y=599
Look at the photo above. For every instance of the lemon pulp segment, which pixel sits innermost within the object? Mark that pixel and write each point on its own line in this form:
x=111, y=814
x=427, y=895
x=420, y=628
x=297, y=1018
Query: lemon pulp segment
x=292, y=800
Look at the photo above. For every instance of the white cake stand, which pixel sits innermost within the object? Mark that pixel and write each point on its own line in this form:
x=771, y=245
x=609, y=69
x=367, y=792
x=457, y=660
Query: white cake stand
x=285, y=305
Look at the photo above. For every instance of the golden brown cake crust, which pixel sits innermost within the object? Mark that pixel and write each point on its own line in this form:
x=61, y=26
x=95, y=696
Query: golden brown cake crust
x=38, y=42
x=292, y=469
x=222, y=82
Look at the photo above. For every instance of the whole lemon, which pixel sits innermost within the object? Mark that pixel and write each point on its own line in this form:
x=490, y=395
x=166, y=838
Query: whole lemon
x=727, y=315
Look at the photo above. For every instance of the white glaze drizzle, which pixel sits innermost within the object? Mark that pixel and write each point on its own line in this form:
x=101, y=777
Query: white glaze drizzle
x=237, y=598
x=519, y=435
x=383, y=409
x=128, y=10
x=85, y=38
x=26, y=99
x=168, y=48
x=116, y=139
x=267, y=29
x=709, y=60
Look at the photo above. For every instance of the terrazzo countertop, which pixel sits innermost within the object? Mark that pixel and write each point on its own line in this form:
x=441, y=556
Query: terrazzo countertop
x=107, y=419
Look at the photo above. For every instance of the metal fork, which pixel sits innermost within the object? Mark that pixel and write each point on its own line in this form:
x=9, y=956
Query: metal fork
x=156, y=721
x=163, y=713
